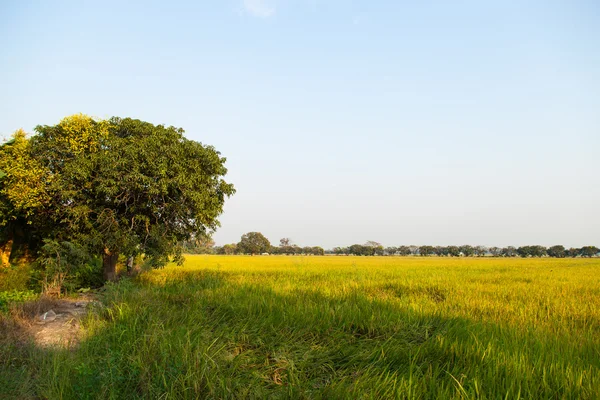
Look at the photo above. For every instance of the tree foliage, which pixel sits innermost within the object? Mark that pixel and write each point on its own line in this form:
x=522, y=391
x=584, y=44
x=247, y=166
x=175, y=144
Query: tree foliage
x=589, y=251
x=24, y=198
x=118, y=186
x=557, y=251
x=24, y=186
x=253, y=243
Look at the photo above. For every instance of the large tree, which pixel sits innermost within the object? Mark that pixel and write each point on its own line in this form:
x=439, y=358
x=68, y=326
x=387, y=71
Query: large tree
x=253, y=243
x=557, y=251
x=589, y=251
x=125, y=186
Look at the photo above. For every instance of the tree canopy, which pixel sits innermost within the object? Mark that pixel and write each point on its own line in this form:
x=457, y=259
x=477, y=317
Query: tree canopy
x=253, y=243
x=117, y=186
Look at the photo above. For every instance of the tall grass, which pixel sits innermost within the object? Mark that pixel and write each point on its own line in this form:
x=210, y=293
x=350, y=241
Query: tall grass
x=333, y=327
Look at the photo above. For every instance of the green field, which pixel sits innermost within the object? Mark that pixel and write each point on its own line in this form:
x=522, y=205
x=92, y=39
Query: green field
x=332, y=327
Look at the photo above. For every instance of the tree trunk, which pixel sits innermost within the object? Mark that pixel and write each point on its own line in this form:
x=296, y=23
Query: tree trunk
x=109, y=264
x=19, y=252
x=129, y=264
x=5, y=250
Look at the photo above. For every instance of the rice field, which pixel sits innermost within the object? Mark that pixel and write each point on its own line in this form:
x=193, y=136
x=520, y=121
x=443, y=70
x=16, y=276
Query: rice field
x=332, y=327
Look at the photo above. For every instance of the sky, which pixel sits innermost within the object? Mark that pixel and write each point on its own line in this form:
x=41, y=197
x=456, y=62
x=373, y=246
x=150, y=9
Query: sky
x=403, y=122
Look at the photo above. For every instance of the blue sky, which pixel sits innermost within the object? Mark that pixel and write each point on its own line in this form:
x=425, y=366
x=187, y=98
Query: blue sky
x=431, y=122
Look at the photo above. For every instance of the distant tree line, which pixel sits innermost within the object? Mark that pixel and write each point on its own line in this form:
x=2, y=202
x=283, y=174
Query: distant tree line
x=557, y=251
x=251, y=243
x=256, y=243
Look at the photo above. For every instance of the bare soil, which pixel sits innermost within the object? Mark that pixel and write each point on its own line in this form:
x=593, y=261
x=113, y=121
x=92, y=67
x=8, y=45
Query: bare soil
x=51, y=322
x=65, y=328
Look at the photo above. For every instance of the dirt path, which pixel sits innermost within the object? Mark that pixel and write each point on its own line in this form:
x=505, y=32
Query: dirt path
x=61, y=326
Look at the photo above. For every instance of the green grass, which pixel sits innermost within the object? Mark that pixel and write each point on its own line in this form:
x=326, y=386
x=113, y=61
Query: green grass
x=332, y=327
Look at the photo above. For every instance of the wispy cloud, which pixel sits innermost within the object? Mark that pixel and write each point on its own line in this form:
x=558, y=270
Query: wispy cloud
x=259, y=8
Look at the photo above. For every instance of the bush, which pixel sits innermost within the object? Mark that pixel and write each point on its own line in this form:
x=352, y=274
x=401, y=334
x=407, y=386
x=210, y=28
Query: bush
x=66, y=267
x=14, y=296
x=88, y=275
x=15, y=277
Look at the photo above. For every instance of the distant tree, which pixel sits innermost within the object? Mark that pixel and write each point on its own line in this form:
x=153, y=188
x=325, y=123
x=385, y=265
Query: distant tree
x=414, y=250
x=283, y=242
x=467, y=250
x=403, y=250
x=441, y=251
x=366, y=250
x=340, y=251
x=588, y=251
x=539, y=251
x=495, y=251
x=425, y=251
x=253, y=243
x=572, y=252
x=295, y=249
x=361, y=250
x=453, y=251
x=391, y=251
x=355, y=250
x=290, y=250
x=198, y=245
x=317, y=251
x=286, y=250
x=274, y=250
x=509, y=251
x=480, y=251
x=230, y=249
x=531, y=251
x=306, y=250
x=377, y=248
x=557, y=251
x=524, y=251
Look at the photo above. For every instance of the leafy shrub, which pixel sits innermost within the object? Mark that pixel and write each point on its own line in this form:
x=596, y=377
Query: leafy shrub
x=66, y=266
x=15, y=296
x=15, y=277
x=88, y=275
